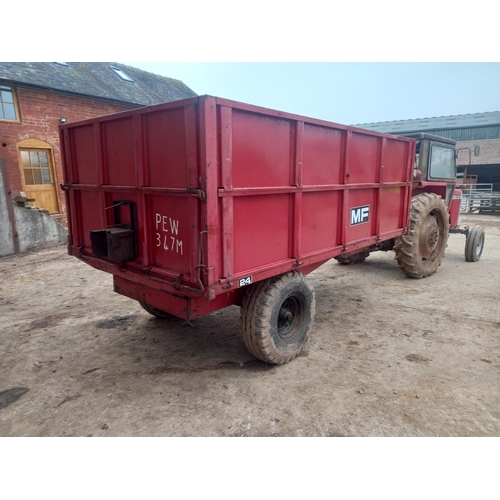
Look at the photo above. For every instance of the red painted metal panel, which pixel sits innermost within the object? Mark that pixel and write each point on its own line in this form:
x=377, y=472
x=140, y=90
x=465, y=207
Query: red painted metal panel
x=166, y=148
x=390, y=205
x=85, y=167
x=395, y=161
x=322, y=156
x=320, y=220
x=118, y=143
x=262, y=231
x=261, y=150
x=363, y=159
x=88, y=212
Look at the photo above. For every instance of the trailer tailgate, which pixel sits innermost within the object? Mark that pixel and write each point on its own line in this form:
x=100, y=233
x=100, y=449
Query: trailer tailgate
x=136, y=173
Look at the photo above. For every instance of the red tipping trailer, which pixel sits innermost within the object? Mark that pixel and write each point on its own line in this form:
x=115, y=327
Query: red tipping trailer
x=202, y=203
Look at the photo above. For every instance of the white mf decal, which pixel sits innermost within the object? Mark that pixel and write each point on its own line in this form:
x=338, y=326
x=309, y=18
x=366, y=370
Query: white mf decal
x=360, y=215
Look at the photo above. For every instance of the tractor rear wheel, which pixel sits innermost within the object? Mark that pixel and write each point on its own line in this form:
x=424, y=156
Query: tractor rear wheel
x=474, y=244
x=420, y=252
x=356, y=258
x=277, y=317
x=154, y=311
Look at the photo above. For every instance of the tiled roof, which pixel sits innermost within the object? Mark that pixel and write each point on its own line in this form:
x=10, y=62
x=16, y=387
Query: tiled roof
x=435, y=123
x=98, y=80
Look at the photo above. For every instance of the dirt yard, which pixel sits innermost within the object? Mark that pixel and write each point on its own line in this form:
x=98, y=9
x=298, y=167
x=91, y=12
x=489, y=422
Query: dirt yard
x=388, y=356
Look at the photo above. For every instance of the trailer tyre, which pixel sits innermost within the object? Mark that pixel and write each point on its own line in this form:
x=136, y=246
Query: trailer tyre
x=277, y=317
x=420, y=252
x=155, y=311
x=356, y=258
x=474, y=244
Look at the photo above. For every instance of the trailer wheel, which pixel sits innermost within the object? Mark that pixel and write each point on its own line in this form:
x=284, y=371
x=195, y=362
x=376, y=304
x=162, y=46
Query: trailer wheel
x=474, y=244
x=356, y=258
x=154, y=311
x=420, y=252
x=277, y=317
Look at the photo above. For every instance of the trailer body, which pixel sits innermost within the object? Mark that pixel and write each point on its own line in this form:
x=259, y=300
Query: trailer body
x=189, y=202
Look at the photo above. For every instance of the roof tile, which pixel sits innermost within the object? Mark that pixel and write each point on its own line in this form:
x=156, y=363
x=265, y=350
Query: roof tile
x=98, y=80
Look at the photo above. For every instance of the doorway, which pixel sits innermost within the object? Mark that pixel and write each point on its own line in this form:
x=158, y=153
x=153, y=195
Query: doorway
x=36, y=161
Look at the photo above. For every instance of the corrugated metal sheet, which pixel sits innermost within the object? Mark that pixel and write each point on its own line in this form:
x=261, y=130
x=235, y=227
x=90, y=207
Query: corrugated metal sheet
x=475, y=126
x=469, y=134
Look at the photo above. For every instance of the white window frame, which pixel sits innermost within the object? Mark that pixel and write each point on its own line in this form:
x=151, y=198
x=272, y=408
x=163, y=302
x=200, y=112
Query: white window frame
x=17, y=118
x=121, y=74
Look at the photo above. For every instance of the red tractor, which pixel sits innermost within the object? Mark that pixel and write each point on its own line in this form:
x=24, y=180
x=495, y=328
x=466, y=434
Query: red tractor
x=435, y=210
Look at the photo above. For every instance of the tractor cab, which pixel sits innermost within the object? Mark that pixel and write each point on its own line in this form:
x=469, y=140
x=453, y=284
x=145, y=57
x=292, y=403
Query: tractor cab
x=435, y=170
x=435, y=158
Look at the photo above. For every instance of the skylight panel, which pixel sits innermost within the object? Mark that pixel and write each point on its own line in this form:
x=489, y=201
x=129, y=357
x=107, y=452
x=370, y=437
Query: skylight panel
x=121, y=74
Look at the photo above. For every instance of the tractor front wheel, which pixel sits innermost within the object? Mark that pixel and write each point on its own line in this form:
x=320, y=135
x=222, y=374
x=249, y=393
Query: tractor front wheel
x=420, y=252
x=277, y=317
x=474, y=244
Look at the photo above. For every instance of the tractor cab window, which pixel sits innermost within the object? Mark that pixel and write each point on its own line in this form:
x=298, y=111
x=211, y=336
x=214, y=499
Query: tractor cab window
x=442, y=164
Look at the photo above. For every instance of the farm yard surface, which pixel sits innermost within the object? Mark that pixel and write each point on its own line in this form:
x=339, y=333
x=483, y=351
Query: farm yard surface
x=388, y=355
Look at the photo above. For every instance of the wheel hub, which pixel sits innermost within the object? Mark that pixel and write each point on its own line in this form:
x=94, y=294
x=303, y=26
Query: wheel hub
x=289, y=318
x=479, y=247
x=429, y=236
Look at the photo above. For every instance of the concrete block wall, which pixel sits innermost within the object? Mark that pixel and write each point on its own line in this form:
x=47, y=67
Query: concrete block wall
x=37, y=230
x=24, y=229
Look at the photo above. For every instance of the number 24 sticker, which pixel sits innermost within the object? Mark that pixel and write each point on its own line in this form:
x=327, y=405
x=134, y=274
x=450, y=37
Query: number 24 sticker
x=245, y=281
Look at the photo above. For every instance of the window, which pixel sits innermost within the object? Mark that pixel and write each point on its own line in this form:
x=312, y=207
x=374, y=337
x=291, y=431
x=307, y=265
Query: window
x=442, y=163
x=8, y=107
x=121, y=74
x=36, y=167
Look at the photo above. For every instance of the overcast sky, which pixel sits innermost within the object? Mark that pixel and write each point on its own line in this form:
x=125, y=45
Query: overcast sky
x=348, y=93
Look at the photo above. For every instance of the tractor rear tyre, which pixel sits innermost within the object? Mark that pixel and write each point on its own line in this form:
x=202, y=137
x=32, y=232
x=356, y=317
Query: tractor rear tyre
x=154, y=311
x=420, y=252
x=356, y=258
x=277, y=317
x=474, y=244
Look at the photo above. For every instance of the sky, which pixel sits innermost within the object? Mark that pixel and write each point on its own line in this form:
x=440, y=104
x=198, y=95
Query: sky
x=343, y=92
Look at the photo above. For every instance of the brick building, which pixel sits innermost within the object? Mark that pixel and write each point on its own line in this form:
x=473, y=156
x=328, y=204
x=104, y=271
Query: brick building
x=36, y=97
x=478, y=129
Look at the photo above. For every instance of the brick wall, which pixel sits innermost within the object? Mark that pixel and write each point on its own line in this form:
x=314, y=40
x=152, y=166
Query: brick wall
x=489, y=152
x=40, y=117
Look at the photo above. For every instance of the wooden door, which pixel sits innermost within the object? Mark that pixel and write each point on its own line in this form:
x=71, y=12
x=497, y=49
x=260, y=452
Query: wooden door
x=39, y=178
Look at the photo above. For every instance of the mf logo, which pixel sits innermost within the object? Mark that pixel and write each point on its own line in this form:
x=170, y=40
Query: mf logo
x=359, y=215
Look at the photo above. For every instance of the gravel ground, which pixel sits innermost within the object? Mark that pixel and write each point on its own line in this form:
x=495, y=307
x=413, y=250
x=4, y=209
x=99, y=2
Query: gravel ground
x=388, y=356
